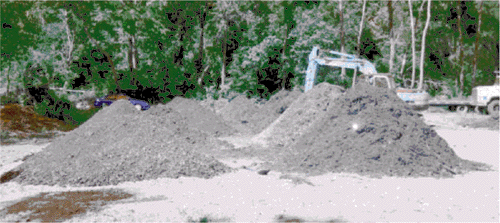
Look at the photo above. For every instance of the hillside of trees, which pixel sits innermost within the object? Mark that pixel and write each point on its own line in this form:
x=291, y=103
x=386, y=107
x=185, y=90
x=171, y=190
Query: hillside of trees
x=156, y=50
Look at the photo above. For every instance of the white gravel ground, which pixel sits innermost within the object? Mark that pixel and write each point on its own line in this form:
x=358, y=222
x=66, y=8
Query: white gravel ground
x=245, y=196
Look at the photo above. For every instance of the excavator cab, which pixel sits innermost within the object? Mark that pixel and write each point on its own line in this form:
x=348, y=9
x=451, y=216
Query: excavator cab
x=379, y=80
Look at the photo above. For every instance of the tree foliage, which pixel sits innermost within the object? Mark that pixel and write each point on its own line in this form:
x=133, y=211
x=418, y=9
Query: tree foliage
x=156, y=50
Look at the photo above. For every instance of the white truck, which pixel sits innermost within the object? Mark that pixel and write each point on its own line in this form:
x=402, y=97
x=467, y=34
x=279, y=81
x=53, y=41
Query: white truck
x=418, y=99
x=482, y=98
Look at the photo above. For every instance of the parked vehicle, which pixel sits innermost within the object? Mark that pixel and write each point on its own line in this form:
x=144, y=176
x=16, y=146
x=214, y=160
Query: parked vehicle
x=109, y=99
x=482, y=97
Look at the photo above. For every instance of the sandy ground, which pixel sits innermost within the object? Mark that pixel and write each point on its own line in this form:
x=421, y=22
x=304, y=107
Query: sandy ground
x=245, y=196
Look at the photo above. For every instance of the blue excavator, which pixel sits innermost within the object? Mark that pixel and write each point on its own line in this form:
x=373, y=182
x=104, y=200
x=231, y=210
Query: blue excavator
x=417, y=99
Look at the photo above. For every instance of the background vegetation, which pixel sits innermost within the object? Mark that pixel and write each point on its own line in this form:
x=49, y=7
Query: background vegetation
x=156, y=50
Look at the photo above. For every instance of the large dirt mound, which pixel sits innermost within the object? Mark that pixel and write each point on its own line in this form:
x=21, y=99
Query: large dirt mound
x=300, y=115
x=238, y=113
x=251, y=117
x=370, y=131
x=121, y=144
x=200, y=118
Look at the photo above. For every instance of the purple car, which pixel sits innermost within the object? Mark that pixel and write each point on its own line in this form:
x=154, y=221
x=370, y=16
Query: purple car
x=109, y=99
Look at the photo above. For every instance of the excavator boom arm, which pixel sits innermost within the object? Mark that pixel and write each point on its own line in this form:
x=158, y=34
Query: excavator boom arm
x=349, y=61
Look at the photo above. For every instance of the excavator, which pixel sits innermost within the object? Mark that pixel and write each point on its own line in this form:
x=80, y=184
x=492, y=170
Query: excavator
x=417, y=99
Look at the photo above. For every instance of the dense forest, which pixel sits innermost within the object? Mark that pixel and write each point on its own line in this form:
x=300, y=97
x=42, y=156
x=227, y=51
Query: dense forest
x=156, y=50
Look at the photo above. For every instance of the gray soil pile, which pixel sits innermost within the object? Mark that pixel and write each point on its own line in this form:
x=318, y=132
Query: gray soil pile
x=275, y=107
x=389, y=140
x=238, y=113
x=198, y=117
x=250, y=117
x=301, y=115
x=121, y=144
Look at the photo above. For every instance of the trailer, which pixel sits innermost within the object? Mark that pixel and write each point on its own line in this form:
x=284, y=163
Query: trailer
x=454, y=104
x=482, y=98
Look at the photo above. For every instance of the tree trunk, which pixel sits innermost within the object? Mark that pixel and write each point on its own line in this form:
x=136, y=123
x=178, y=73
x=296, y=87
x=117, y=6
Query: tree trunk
x=283, y=59
x=130, y=55
x=403, y=66
x=422, y=55
x=342, y=41
x=223, y=73
x=70, y=40
x=8, y=81
x=413, y=50
x=359, y=40
x=136, y=54
x=476, y=45
x=461, y=59
x=391, y=37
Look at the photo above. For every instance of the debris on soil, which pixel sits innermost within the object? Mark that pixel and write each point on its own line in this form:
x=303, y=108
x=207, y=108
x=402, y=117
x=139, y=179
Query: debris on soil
x=296, y=179
x=301, y=115
x=491, y=123
x=121, y=144
x=370, y=131
x=200, y=118
x=293, y=219
x=9, y=175
x=53, y=207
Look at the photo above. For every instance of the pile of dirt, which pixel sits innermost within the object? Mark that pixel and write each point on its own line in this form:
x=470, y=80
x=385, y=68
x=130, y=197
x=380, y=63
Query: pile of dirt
x=239, y=114
x=200, y=118
x=250, y=116
x=275, y=107
x=370, y=131
x=23, y=119
x=121, y=144
x=300, y=115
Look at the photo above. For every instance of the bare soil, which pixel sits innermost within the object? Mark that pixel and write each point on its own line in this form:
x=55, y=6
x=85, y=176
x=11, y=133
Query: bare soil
x=239, y=191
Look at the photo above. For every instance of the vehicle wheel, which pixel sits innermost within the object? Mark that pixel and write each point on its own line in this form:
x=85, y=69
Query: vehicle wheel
x=493, y=108
x=462, y=109
x=452, y=108
x=138, y=107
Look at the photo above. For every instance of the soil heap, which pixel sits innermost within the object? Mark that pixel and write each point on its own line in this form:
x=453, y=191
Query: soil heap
x=251, y=117
x=121, y=144
x=198, y=117
x=370, y=131
x=238, y=113
x=300, y=115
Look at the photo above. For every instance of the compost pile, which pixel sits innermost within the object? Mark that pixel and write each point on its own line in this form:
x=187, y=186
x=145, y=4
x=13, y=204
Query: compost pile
x=23, y=119
x=121, y=144
x=370, y=131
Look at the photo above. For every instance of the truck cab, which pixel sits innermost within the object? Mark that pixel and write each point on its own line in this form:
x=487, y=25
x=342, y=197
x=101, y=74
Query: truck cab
x=487, y=96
